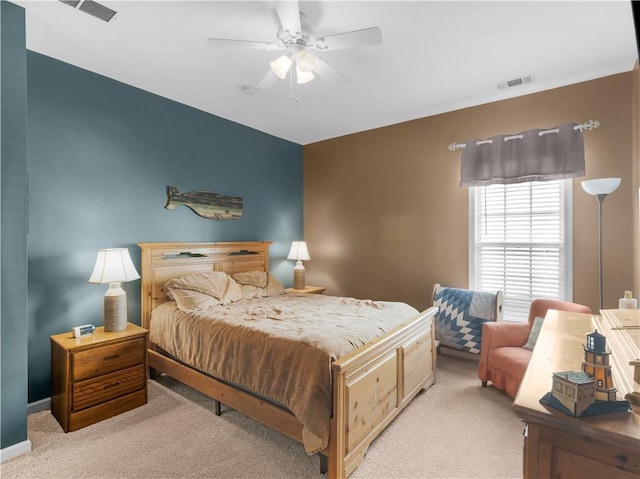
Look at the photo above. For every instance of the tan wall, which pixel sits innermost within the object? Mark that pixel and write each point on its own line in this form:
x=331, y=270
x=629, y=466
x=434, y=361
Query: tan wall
x=384, y=216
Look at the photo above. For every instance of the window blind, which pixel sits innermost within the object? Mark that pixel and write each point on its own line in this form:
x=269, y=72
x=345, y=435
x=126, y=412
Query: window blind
x=520, y=242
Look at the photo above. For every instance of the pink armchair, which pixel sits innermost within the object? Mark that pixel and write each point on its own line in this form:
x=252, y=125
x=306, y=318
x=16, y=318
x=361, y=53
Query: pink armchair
x=503, y=360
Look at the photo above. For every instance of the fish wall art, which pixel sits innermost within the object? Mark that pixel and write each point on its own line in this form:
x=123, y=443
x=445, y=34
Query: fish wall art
x=206, y=204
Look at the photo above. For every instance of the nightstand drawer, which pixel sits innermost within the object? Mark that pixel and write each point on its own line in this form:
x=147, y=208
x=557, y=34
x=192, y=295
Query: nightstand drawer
x=95, y=391
x=105, y=410
x=105, y=359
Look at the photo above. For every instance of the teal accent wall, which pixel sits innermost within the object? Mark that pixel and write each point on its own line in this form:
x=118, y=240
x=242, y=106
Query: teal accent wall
x=100, y=155
x=13, y=226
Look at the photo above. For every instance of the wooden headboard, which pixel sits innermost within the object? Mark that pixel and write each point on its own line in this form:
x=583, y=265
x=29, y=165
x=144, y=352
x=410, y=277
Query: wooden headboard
x=163, y=261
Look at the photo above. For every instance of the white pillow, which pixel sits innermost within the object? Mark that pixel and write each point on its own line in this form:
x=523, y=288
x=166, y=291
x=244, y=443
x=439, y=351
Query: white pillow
x=533, y=335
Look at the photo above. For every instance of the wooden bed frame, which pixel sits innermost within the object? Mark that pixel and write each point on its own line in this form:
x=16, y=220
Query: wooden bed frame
x=371, y=385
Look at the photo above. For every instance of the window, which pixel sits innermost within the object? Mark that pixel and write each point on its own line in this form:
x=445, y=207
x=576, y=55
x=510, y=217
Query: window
x=520, y=242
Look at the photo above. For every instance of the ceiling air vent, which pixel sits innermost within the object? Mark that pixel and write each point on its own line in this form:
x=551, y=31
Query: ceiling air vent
x=515, y=82
x=92, y=8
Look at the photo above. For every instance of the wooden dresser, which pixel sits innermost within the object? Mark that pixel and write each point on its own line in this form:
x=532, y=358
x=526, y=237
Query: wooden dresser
x=561, y=446
x=99, y=376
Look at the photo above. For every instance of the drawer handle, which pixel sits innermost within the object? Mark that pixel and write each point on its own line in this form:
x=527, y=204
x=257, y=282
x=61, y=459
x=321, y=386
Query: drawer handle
x=109, y=358
x=112, y=385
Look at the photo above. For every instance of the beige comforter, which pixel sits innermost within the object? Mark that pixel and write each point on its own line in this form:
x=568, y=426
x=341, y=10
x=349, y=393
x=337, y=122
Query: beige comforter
x=280, y=348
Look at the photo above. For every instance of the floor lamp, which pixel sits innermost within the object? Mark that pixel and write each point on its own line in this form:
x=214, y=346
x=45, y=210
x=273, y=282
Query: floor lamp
x=600, y=188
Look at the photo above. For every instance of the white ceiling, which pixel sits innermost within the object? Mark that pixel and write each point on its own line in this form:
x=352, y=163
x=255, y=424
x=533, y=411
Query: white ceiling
x=436, y=56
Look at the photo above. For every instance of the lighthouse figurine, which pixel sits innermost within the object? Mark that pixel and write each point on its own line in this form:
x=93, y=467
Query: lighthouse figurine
x=596, y=364
x=590, y=391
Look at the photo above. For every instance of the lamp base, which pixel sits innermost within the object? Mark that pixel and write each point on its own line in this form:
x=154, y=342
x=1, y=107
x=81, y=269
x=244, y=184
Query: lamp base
x=298, y=277
x=115, y=308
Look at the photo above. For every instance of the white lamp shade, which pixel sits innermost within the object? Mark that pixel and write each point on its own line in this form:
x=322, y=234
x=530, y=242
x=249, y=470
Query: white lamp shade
x=281, y=66
x=299, y=251
x=601, y=186
x=303, y=77
x=113, y=265
x=306, y=61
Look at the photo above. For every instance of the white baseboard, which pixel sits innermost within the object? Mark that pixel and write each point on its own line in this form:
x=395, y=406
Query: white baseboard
x=25, y=446
x=15, y=450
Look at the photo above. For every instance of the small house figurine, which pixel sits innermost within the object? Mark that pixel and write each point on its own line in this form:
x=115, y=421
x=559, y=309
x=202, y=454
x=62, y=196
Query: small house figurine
x=574, y=390
x=590, y=391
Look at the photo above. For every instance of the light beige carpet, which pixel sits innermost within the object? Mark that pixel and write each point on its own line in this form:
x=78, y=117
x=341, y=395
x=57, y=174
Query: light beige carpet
x=456, y=429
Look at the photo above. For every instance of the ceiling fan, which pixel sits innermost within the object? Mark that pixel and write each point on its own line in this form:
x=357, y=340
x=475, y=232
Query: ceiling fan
x=299, y=42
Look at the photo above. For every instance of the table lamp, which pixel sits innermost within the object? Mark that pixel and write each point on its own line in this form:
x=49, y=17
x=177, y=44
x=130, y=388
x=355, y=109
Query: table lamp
x=300, y=253
x=114, y=266
x=600, y=188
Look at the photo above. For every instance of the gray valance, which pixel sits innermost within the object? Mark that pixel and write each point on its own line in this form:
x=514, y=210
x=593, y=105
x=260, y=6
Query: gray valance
x=533, y=155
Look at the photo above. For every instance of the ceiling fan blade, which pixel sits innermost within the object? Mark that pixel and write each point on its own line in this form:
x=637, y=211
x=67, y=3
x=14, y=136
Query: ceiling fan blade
x=329, y=74
x=267, y=81
x=231, y=43
x=367, y=37
x=289, y=15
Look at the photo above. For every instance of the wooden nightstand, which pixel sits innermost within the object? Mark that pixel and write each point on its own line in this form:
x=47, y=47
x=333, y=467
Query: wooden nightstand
x=307, y=290
x=99, y=376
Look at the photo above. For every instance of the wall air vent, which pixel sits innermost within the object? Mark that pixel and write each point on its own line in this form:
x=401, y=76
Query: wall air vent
x=92, y=8
x=515, y=82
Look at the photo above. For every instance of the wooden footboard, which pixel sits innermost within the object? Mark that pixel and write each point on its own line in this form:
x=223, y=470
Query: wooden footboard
x=372, y=385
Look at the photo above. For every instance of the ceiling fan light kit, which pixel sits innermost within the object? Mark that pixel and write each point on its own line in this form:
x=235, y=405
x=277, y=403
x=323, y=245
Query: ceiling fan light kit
x=296, y=37
x=305, y=63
